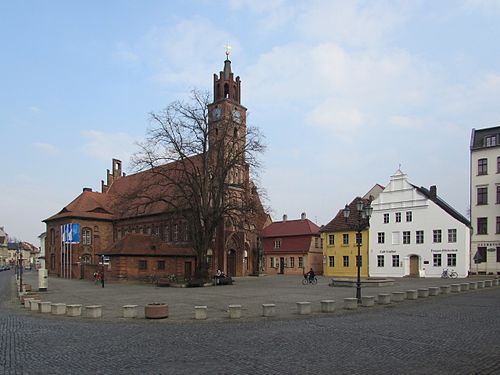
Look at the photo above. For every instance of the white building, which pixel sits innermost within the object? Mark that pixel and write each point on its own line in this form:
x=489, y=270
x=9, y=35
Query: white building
x=40, y=262
x=413, y=232
x=485, y=200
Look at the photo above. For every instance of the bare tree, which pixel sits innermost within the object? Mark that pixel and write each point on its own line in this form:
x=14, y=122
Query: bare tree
x=200, y=172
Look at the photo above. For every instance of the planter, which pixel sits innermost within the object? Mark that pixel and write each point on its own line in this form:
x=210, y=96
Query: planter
x=156, y=311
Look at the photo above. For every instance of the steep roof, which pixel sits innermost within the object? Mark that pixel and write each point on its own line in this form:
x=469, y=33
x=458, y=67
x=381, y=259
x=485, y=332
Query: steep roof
x=442, y=204
x=478, y=137
x=339, y=223
x=125, y=197
x=135, y=244
x=89, y=204
x=290, y=228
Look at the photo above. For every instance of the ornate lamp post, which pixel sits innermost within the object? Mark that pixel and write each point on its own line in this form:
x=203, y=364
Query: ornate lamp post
x=363, y=219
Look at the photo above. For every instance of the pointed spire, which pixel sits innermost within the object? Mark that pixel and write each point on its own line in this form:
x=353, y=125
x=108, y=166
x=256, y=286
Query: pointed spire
x=227, y=62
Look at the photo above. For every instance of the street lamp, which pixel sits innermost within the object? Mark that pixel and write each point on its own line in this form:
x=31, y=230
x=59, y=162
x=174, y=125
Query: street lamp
x=363, y=219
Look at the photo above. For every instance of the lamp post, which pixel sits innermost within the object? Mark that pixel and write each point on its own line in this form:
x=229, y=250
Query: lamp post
x=20, y=268
x=363, y=219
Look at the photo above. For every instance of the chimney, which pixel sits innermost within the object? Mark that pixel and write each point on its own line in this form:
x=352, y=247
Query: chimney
x=433, y=191
x=285, y=217
x=303, y=216
x=87, y=189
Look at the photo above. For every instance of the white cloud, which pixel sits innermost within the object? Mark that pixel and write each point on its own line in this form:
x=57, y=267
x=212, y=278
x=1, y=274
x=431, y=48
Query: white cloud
x=184, y=52
x=105, y=146
x=273, y=14
x=352, y=23
x=34, y=109
x=46, y=148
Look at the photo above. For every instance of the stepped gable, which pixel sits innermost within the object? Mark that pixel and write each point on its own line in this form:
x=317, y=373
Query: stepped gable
x=143, y=244
x=141, y=194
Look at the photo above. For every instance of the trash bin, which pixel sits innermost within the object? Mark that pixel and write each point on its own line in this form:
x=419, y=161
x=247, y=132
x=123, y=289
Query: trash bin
x=43, y=279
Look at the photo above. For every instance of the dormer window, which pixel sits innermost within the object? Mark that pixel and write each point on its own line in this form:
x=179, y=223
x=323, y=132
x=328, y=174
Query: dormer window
x=490, y=141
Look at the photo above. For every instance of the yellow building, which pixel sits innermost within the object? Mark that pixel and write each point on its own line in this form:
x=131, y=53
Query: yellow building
x=340, y=248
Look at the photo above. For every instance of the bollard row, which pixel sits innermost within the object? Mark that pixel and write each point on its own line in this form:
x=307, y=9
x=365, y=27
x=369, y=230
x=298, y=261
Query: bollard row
x=32, y=303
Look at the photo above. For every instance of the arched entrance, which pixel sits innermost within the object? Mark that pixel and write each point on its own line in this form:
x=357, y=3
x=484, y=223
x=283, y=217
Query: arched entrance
x=414, y=272
x=231, y=263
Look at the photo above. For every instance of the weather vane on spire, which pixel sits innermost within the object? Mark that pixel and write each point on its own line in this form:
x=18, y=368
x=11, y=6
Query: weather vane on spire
x=228, y=49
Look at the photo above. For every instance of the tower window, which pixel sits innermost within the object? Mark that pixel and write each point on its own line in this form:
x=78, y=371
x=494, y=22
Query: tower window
x=226, y=91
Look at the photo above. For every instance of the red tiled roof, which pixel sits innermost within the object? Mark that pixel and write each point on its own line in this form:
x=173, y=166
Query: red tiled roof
x=339, y=223
x=291, y=228
x=89, y=204
x=142, y=244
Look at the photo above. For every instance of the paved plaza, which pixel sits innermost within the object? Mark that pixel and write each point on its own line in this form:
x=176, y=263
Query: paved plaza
x=249, y=292
x=448, y=334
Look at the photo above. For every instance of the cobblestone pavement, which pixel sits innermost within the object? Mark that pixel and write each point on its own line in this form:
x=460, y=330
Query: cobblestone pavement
x=451, y=334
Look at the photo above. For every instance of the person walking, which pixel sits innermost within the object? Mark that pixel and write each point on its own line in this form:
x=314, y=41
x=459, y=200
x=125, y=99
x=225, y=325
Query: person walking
x=102, y=279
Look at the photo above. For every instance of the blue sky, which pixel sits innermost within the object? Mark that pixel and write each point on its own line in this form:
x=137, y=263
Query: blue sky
x=345, y=92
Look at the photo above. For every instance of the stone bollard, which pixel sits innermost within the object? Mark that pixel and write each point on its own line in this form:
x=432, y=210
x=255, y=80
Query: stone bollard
x=129, y=311
x=304, y=308
x=472, y=285
x=234, y=311
x=350, y=303
x=44, y=307
x=488, y=283
x=456, y=288
x=398, y=296
x=464, y=287
x=445, y=289
x=411, y=294
x=384, y=299
x=34, y=304
x=367, y=301
x=27, y=302
x=268, y=309
x=200, y=312
x=73, y=310
x=93, y=311
x=433, y=291
x=328, y=305
x=58, y=309
x=423, y=292
x=480, y=284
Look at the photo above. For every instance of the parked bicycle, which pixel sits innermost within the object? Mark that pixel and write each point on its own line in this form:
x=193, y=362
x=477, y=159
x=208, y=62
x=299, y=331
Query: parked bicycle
x=449, y=274
x=309, y=280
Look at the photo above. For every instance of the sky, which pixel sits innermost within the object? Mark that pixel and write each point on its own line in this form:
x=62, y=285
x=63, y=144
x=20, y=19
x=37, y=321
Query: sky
x=345, y=92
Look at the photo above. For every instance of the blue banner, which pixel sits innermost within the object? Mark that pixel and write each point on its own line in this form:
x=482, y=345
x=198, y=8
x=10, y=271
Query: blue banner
x=71, y=233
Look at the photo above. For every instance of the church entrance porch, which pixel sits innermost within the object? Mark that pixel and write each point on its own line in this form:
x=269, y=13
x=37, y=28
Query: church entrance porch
x=231, y=263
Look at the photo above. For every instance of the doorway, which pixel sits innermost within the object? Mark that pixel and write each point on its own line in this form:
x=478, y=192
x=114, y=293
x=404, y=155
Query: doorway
x=282, y=265
x=414, y=266
x=187, y=270
x=231, y=263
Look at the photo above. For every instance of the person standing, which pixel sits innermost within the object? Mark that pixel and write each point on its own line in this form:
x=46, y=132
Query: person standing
x=102, y=278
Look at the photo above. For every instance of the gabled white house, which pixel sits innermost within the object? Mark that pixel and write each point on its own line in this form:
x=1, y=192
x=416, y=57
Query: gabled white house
x=413, y=232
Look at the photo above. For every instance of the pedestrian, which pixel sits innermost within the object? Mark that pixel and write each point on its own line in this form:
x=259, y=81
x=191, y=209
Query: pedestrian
x=102, y=279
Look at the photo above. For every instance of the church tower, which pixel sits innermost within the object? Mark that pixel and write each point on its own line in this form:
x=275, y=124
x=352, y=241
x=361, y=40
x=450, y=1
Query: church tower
x=226, y=114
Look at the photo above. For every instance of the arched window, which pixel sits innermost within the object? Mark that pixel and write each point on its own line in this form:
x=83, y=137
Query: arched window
x=87, y=236
x=52, y=236
x=226, y=91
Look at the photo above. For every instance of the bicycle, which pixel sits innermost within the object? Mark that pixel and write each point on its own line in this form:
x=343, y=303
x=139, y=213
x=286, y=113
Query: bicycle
x=308, y=280
x=449, y=274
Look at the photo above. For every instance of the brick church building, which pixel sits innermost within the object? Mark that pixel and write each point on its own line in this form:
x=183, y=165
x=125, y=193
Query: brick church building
x=109, y=231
